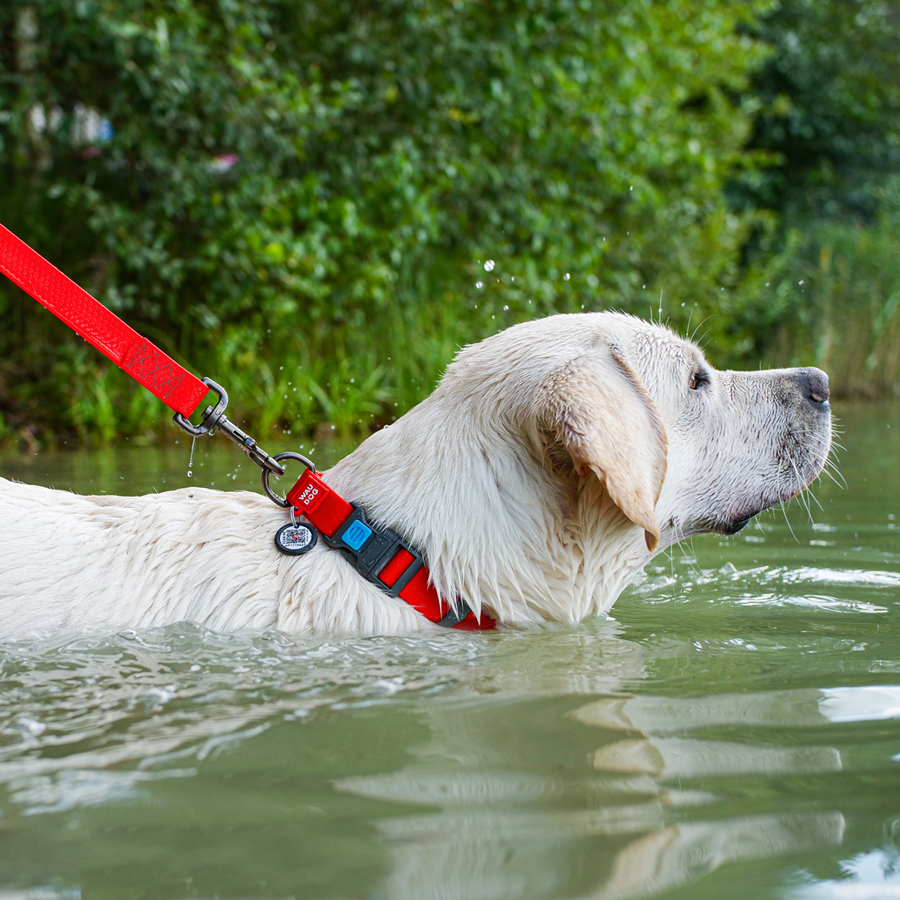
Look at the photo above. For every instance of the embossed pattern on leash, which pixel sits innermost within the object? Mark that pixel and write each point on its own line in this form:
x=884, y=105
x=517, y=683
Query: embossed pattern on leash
x=146, y=363
x=149, y=365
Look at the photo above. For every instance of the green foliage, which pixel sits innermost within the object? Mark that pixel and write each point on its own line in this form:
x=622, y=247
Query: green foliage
x=412, y=176
x=836, y=288
x=830, y=107
x=821, y=285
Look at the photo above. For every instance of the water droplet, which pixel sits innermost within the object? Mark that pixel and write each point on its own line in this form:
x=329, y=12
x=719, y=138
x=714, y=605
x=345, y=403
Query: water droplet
x=479, y=285
x=566, y=277
x=489, y=266
x=190, y=473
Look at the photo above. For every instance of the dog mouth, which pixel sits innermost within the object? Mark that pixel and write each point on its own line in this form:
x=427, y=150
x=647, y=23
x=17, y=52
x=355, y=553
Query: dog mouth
x=730, y=529
x=731, y=522
x=731, y=525
x=725, y=527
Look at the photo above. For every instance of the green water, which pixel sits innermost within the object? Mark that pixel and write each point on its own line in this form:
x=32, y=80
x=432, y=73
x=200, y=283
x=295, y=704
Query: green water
x=734, y=731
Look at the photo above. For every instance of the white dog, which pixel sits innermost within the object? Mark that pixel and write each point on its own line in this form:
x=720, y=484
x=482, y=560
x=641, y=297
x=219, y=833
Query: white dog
x=551, y=463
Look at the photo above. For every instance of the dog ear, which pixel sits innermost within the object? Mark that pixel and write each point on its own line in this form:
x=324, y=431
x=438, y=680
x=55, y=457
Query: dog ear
x=602, y=413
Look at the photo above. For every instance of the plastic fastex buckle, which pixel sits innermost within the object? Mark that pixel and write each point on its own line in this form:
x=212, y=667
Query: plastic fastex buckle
x=370, y=549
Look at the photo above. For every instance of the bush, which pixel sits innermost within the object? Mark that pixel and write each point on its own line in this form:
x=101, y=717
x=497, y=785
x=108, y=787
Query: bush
x=407, y=177
x=830, y=108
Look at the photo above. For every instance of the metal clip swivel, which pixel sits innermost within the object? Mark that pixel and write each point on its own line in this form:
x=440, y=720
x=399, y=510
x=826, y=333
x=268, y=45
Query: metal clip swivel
x=214, y=420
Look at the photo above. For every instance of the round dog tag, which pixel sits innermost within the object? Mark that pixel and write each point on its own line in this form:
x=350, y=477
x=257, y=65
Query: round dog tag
x=295, y=539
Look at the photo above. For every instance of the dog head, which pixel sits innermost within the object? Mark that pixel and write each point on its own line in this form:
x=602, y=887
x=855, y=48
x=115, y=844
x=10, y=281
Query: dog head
x=680, y=447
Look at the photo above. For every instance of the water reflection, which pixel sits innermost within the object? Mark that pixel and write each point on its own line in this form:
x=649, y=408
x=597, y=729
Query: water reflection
x=874, y=875
x=620, y=849
x=771, y=709
x=683, y=853
x=499, y=772
x=668, y=758
x=657, y=815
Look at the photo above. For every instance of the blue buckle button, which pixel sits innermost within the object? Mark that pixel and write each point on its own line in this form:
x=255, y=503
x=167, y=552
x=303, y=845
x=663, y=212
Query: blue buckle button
x=356, y=535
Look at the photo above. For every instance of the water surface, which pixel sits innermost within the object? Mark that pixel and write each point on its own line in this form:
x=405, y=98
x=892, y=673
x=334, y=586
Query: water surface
x=733, y=731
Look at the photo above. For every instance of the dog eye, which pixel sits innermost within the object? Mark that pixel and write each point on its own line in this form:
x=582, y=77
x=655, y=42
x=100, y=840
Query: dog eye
x=698, y=379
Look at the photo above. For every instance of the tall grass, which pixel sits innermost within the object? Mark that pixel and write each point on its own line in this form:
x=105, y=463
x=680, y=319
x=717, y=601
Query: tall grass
x=839, y=286
x=304, y=382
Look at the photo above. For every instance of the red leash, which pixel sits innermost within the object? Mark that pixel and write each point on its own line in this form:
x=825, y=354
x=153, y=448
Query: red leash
x=380, y=555
x=143, y=361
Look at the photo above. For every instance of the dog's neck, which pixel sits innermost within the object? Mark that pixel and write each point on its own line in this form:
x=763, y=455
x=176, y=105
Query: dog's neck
x=498, y=526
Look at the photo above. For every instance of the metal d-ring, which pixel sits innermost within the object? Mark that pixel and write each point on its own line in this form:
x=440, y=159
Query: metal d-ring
x=280, y=501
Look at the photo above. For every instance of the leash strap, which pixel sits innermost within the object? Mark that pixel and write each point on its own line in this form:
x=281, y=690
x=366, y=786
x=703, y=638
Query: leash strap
x=379, y=554
x=145, y=362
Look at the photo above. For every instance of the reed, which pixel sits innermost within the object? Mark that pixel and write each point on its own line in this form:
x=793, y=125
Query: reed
x=839, y=285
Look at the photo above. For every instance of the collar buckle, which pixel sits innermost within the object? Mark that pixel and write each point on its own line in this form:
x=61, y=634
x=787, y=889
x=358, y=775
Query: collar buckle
x=371, y=550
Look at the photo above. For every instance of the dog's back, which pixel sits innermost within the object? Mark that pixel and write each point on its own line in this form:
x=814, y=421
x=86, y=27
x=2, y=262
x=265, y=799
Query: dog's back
x=74, y=563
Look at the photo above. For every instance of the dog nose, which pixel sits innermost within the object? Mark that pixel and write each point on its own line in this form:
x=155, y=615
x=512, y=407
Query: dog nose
x=816, y=385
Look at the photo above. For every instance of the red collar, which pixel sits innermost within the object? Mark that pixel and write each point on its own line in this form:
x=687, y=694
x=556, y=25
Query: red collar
x=379, y=554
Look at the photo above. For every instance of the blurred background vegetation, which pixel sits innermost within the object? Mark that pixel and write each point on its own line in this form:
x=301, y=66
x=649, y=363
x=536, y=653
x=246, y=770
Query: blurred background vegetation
x=316, y=202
